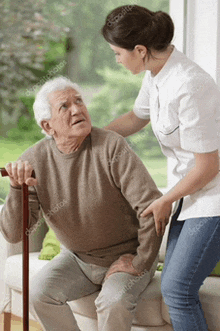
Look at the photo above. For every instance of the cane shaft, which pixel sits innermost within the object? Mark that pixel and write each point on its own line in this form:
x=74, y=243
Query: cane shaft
x=3, y=172
x=25, y=258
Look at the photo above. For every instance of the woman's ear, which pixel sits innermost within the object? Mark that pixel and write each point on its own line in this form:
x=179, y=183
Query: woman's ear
x=142, y=50
x=47, y=128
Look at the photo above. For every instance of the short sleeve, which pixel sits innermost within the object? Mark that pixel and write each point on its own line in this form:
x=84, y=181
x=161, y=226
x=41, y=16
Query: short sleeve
x=142, y=106
x=199, y=116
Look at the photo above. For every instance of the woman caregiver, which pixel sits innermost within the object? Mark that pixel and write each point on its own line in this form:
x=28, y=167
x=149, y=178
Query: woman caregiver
x=183, y=104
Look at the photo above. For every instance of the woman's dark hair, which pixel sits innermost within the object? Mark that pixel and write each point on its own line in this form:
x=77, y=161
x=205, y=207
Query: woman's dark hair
x=128, y=26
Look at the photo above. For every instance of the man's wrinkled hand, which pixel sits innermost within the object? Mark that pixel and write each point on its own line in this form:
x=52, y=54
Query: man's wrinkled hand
x=123, y=264
x=20, y=172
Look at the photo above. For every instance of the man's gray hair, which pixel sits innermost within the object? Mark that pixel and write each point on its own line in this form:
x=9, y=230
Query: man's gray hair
x=41, y=106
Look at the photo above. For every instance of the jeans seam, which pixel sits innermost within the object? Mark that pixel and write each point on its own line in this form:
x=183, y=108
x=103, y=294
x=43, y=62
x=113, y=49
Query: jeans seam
x=204, y=249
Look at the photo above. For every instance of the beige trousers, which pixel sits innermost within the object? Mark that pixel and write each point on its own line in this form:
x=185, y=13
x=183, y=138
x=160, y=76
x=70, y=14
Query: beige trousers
x=68, y=278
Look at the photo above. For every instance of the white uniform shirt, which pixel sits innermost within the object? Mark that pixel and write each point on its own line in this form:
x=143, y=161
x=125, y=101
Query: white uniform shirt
x=183, y=104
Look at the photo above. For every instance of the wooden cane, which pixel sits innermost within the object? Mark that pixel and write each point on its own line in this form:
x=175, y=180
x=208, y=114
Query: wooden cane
x=25, y=252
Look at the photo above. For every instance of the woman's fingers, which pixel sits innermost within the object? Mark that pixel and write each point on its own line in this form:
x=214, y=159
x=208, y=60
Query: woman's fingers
x=161, y=211
x=147, y=211
x=163, y=227
x=158, y=227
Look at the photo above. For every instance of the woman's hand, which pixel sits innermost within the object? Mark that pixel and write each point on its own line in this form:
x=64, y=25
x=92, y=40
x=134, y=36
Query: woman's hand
x=161, y=210
x=205, y=169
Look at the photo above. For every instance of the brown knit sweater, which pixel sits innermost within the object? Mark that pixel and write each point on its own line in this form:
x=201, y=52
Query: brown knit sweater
x=92, y=198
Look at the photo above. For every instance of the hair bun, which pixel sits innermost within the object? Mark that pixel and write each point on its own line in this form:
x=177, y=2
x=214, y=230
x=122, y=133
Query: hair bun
x=139, y=26
x=159, y=15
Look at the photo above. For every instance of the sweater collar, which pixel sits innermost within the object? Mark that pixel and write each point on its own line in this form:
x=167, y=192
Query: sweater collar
x=72, y=154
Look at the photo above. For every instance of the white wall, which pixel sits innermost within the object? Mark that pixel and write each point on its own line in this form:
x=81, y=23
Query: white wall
x=177, y=14
x=203, y=35
x=197, y=34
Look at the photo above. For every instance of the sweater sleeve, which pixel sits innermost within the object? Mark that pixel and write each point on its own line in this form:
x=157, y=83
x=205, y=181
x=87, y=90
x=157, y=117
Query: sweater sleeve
x=139, y=189
x=11, y=214
x=11, y=219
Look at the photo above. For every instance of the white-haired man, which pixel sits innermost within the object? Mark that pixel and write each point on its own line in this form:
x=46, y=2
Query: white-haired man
x=106, y=245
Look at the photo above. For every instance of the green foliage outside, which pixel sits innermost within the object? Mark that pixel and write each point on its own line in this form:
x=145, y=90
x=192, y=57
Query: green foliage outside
x=9, y=151
x=26, y=128
x=85, y=20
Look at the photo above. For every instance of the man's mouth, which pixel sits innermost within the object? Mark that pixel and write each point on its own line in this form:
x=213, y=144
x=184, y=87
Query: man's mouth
x=79, y=121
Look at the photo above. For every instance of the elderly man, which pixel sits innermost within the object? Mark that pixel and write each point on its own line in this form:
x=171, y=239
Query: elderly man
x=105, y=243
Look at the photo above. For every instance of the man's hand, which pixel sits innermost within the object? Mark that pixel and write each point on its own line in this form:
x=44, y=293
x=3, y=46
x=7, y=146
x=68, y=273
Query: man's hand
x=19, y=173
x=123, y=264
x=161, y=210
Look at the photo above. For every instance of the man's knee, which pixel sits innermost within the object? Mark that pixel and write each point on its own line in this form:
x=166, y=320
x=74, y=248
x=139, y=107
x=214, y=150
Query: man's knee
x=36, y=292
x=114, y=301
x=41, y=291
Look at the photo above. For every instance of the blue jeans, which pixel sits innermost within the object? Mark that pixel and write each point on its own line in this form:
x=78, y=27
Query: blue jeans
x=193, y=251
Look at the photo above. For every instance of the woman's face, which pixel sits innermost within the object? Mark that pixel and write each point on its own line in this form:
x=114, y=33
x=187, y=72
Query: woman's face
x=131, y=60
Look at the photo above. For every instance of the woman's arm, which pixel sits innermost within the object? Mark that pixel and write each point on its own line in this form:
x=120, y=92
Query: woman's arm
x=205, y=169
x=127, y=124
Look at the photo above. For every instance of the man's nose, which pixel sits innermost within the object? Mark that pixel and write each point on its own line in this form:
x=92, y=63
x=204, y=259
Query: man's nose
x=74, y=109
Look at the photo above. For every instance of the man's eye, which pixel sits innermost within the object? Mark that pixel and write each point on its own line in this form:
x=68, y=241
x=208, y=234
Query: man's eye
x=64, y=106
x=79, y=100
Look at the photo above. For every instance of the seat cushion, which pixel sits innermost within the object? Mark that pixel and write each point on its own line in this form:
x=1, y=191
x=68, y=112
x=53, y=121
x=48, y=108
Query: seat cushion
x=209, y=294
x=13, y=269
x=148, y=311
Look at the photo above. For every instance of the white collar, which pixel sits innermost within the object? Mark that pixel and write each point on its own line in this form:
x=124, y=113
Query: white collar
x=168, y=68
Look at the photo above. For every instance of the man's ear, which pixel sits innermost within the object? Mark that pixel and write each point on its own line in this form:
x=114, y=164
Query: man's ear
x=47, y=128
x=142, y=50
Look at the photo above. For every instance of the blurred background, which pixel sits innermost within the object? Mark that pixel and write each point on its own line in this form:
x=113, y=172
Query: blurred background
x=42, y=39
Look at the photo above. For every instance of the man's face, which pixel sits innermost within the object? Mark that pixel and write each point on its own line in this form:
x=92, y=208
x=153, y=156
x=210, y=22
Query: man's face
x=70, y=117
